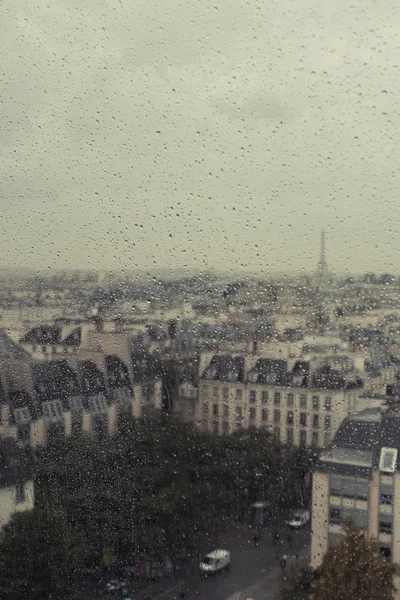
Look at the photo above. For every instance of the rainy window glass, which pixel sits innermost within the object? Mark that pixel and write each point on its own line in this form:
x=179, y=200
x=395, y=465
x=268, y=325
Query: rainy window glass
x=199, y=300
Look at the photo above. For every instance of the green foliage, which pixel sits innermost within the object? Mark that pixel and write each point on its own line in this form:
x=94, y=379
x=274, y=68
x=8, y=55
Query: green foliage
x=355, y=569
x=297, y=584
x=161, y=486
x=41, y=556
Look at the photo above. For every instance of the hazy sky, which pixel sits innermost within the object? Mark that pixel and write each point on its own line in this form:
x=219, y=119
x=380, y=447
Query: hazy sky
x=165, y=133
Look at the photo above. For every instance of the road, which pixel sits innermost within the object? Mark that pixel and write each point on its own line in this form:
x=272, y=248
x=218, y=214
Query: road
x=255, y=571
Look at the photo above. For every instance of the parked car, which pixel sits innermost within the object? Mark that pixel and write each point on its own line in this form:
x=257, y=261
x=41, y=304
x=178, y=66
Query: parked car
x=215, y=561
x=299, y=519
x=115, y=586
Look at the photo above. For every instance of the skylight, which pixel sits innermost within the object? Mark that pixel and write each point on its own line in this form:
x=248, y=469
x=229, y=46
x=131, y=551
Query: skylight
x=387, y=462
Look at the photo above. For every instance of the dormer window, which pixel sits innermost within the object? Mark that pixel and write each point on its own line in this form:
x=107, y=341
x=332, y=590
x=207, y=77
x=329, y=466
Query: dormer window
x=387, y=462
x=52, y=411
x=22, y=416
x=98, y=404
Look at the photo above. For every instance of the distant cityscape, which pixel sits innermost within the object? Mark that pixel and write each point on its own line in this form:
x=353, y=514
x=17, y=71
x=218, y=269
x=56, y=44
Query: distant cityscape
x=312, y=359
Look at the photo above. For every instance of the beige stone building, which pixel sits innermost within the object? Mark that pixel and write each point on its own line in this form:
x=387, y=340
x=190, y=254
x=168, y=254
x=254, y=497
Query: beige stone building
x=358, y=479
x=298, y=406
x=85, y=386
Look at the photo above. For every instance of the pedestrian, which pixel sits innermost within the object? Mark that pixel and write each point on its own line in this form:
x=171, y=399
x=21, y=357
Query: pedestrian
x=256, y=539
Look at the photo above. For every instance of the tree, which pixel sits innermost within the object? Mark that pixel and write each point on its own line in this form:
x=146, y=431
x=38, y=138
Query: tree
x=41, y=556
x=297, y=584
x=355, y=569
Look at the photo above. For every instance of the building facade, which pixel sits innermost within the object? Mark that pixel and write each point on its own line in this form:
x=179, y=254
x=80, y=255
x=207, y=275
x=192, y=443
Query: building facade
x=358, y=479
x=87, y=390
x=298, y=406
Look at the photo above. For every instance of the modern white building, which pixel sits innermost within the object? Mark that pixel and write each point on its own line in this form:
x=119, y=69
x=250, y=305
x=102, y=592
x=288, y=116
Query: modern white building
x=358, y=479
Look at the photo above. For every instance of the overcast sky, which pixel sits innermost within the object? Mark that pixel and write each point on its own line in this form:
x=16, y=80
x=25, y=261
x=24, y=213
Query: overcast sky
x=223, y=133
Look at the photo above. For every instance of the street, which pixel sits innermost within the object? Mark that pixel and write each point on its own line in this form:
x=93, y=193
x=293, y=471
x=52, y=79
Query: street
x=254, y=572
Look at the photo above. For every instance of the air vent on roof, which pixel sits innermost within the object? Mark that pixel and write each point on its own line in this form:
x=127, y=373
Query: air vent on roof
x=387, y=462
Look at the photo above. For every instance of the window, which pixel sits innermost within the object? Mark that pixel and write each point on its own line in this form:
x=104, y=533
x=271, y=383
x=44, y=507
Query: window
x=289, y=436
x=52, y=411
x=76, y=423
x=215, y=410
x=303, y=419
x=385, y=552
x=121, y=395
x=239, y=394
x=335, y=516
x=225, y=393
x=277, y=399
x=303, y=401
x=327, y=422
x=100, y=425
x=327, y=438
x=226, y=410
x=386, y=499
x=385, y=527
x=264, y=397
x=205, y=410
x=345, y=486
x=315, y=421
x=289, y=419
x=22, y=416
x=290, y=399
x=20, y=492
x=387, y=462
x=314, y=440
x=24, y=434
x=328, y=403
x=315, y=402
x=277, y=433
x=98, y=404
x=75, y=403
x=252, y=396
x=264, y=415
x=215, y=392
x=239, y=413
x=303, y=438
x=252, y=414
x=277, y=416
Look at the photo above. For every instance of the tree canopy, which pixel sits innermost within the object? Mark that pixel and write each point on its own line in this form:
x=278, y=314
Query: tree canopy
x=355, y=569
x=159, y=487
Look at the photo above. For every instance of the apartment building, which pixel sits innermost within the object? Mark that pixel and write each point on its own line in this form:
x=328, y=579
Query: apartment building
x=299, y=406
x=71, y=396
x=358, y=479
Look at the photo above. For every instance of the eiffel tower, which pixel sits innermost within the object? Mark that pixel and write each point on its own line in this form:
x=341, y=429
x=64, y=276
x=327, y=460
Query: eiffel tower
x=322, y=268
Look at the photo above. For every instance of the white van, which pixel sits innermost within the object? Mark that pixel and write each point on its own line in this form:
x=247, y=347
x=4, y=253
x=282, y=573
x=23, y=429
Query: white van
x=215, y=561
x=299, y=519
